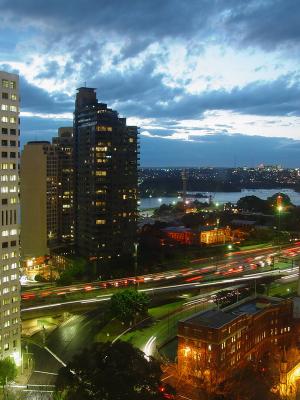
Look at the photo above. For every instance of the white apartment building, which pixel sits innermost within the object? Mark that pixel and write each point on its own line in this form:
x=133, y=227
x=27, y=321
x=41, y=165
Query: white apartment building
x=10, y=326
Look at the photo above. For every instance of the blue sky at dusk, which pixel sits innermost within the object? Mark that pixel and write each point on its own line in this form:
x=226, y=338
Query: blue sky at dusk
x=209, y=82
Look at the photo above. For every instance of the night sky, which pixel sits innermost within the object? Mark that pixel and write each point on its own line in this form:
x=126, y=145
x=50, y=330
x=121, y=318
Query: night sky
x=209, y=82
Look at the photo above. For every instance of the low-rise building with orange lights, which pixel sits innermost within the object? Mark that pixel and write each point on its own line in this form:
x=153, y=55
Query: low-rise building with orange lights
x=214, y=235
x=213, y=343
x=180, y=234
x=208, y=235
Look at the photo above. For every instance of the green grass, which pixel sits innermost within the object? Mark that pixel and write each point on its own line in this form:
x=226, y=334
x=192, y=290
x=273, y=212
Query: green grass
x=165, y=309
x=163, y=330
x=283, y=289
x=115, y=327
x=255, y=246
x=110, y=331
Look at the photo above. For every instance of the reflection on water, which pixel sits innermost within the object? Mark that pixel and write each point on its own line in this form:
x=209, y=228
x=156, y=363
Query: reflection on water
x=223, y=197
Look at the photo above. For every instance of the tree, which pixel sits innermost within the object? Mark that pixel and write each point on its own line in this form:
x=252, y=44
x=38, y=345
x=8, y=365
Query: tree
x=8, y=371
x=128, y=305
x=253, y=204
x=110, y=372
x=251, y=382
x=286, y=201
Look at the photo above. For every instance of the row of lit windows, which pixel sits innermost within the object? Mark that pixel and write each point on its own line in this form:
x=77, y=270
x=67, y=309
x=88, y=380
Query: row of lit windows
x=8, y=166
x=101, y=173
x=100, y=221
x=101, y=128
x=6, y=178
x=6, y=189
x=10, y=300
x=9, y=278
x=6, y=107
x=11, y=96
x=7, y=256
x=11, y=120
x=9, y=323
x=7, y=267
x=9, y=233
x=8, y=84
x=10, y=289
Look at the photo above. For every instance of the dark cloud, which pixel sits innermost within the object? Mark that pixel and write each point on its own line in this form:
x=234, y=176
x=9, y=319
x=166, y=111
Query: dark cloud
x=268, y=24
x=279, y=97
x=38, y=100
x=219, y=150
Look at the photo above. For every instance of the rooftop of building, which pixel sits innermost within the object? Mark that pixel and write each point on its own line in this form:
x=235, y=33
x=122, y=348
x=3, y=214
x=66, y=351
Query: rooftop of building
x=181, y=229
x=177, y=229
x=218, y=318
x=38, y=142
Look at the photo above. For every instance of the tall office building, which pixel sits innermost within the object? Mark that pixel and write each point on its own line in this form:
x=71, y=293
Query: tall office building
x=106, y=170
x=47, y=218
x=10, y=339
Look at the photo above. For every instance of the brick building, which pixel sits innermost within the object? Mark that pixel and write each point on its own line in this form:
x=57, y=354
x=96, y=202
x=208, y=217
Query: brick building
x=211, y=344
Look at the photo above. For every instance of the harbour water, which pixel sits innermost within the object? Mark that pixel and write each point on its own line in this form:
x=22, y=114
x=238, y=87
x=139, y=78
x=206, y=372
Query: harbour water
x=222, y=197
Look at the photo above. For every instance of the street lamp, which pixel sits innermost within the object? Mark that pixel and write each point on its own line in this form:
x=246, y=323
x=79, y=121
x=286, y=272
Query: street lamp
x=279, y=211
x=135, y=260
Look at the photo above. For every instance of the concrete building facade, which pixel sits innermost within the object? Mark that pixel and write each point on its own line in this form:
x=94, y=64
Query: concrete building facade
x=10, y=338
x=47, y=217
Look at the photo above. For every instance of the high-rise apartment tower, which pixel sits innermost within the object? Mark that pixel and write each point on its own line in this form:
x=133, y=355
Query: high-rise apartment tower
x=106, y=170
x=47, y=217
x=10, y=340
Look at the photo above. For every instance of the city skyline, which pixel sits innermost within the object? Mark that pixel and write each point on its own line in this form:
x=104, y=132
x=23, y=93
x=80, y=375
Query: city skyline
x=208, y=79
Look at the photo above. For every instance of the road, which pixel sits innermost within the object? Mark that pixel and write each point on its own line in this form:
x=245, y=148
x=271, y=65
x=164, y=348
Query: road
x=75, y=334
x=194, y=267
x=161, y=289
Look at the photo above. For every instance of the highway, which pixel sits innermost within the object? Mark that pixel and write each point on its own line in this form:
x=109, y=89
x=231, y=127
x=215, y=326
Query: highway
x=167, y=288
x=198, y=270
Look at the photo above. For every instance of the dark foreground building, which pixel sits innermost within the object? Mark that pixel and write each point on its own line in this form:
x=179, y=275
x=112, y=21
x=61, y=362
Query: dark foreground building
x=106, y=167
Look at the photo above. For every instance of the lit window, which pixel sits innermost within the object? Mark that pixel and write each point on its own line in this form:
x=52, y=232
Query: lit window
x=100, y=221
x=100, y=173
x=4, y=107
x=4, y=119
x=13, y=108
x=5, y=83
x=13, y=97
x=13, y=120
